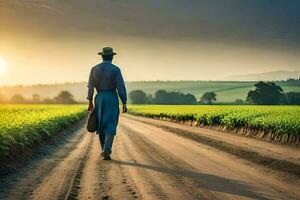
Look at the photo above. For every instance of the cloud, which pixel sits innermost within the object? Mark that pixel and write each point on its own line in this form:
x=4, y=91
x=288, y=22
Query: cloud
x=261, y=23
x=29, y=4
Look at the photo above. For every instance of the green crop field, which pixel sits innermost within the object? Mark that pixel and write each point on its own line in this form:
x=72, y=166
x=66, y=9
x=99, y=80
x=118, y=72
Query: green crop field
x=277, y=119
x=24, y=125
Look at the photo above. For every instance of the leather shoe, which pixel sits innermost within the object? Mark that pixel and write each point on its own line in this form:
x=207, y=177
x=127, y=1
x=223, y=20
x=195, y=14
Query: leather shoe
x=106, y=156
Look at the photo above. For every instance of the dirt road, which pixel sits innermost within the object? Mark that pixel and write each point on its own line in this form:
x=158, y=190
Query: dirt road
x=152, y=161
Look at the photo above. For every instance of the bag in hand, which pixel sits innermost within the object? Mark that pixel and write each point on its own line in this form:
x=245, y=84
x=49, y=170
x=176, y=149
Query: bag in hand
x=92, y=122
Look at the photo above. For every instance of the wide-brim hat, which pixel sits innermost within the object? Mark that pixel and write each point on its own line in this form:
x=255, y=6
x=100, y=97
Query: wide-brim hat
x=107, y=51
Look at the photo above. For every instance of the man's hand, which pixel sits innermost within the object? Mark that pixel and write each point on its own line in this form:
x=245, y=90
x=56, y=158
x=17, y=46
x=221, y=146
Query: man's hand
x=91, y=106
x=124, y=108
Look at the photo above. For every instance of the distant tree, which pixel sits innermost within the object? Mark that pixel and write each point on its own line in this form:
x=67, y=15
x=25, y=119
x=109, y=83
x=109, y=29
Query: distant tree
x=160, y=97
x=36, y=98
x=138, y=97
x=64, y=97
x=173, y=98
x=293, y=98
x=189, y=99
x=266, y=93
x=17, y=98
x=239, y=101
x=208, y=97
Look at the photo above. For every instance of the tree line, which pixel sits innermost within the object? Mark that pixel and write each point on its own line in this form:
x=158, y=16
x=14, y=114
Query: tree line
x=265, y=93
x=64, y=97
x=164, y=97
x=268, y=93
x=161, y=97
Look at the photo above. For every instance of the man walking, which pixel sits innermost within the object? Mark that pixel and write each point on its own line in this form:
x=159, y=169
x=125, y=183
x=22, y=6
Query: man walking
x=108, y=81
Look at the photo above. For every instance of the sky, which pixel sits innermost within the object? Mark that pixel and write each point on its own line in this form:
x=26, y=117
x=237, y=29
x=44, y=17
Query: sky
x=55, y=41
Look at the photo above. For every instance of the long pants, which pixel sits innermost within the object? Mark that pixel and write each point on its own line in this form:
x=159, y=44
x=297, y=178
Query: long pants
x=106, y=141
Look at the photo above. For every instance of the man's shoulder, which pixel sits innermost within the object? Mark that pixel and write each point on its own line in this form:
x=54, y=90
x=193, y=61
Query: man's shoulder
x=110, y=65
x=115, y=67
x=96, y=66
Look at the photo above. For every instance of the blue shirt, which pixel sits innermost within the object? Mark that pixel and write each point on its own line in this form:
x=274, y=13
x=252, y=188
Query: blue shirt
x=106, y=76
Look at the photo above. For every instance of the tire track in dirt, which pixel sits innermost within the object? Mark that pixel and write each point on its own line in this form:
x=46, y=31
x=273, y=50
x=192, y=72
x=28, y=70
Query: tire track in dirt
x=291, y=169
x=20, y=182
x=215, y=171
x=101, y=179
x=144, y=181
x=89, y=176
x=58, y=184
x=158, y=161
x=94, y=182
x=76, y=183
x=123, y=184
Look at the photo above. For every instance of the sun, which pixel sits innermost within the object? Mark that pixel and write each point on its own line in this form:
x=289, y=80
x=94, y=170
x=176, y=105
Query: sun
x=2, y=65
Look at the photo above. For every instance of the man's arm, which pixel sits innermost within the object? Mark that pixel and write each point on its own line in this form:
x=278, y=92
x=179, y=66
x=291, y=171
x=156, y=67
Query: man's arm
x=121, y=89
x=91, y=86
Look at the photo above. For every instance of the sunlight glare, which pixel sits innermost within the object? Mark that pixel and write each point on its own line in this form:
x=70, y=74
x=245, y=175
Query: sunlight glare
x=2, y=64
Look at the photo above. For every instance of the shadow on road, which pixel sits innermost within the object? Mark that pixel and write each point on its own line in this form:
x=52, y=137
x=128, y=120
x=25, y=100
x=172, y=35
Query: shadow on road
x=206, y=181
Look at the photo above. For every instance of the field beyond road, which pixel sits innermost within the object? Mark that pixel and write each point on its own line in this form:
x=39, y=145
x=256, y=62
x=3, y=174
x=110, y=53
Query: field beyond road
x=278, y=120
x=22, y=126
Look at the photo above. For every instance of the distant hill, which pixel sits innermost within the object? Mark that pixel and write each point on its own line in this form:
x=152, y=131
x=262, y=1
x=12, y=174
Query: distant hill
x=227, y=91
x=268, y=76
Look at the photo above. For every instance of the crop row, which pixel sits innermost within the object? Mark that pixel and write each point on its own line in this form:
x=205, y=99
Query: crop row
x=276, y=119
x=23, y=125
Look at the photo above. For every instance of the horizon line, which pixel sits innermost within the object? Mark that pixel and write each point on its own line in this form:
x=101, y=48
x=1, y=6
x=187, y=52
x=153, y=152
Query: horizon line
x=76, y=82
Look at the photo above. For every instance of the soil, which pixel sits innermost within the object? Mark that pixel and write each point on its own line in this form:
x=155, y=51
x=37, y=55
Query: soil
x=154, y=159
